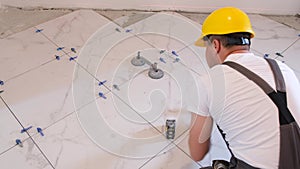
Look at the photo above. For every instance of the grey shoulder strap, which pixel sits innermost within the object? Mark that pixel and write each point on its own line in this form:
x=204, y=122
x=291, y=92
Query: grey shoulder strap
x=278, y=97
x=279, y=80
x=252, y=76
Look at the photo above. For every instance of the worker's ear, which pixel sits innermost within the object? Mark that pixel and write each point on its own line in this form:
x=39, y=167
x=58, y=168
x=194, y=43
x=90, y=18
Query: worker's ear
x=217, y=45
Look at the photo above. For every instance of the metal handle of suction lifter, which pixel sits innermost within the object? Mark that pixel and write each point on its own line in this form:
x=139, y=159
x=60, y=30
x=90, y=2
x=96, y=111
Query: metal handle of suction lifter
x=154, y=72
x=170, y=129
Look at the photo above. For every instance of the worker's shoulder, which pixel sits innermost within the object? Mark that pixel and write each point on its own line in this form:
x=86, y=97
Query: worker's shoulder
x=202, y=80
x=288, y=74
x=283, y=67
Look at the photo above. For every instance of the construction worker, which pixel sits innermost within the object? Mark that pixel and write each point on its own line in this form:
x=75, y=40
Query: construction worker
x=244, y=113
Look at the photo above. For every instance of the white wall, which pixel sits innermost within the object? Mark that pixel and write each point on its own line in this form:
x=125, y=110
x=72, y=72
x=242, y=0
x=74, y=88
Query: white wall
x=279, y=7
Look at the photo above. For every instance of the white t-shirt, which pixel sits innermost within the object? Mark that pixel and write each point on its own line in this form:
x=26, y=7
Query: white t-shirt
x=243, y=111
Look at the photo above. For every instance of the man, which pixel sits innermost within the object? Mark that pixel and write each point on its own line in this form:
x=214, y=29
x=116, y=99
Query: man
x=245, y=114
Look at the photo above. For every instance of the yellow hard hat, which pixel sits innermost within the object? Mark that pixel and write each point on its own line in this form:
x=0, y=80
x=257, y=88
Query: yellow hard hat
x=225, y=21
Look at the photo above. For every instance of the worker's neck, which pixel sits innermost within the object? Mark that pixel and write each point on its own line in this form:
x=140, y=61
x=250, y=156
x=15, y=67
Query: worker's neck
x=226, y=52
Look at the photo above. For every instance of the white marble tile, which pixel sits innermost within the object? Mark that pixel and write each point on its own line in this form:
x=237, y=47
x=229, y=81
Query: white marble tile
x=140, y=142
x=112, y=114
x=291, y=57
x=85, y=87
x=24, y=51
x=74, y=29
x=116, y=115
x=45, y=81
x=114, y=58
x=113, y=61
x=161, y=31
x=26, y=157
x=178, y=156
x=95, y=50
x=172, y=25
x=175, y=157
x=42, y=96
x=10, y=129
x=171, y=32
x=68, y=146
x=271, y=36
x=143, y=93
x=190, y=56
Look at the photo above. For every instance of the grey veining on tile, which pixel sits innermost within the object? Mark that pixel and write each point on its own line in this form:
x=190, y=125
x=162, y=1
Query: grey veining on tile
x=27, y=157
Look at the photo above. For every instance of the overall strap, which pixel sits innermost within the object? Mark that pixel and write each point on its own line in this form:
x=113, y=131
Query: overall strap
x=279, y=80
x=279, y=97
x=250, y=75
x=285, y=116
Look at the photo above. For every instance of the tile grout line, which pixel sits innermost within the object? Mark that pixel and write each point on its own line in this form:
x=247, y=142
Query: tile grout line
x=47, y=38
x=171, y=142
x=29, y=70
x=290, y=45
x=50, y=125
x=44, y=155
x=67, y=115
x=256, y=51
x=10, y=148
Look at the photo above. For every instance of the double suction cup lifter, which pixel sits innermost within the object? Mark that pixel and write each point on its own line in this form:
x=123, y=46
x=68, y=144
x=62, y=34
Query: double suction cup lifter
x=154, y=72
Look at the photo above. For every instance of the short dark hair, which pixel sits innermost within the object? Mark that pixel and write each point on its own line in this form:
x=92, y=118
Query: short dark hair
x=232, y=39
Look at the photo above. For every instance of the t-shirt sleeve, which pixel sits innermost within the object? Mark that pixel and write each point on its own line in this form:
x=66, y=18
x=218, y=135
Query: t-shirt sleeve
x=199, y=105
x=292, y=90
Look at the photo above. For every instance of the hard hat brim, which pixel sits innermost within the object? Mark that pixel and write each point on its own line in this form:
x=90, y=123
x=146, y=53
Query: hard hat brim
x=200, y=42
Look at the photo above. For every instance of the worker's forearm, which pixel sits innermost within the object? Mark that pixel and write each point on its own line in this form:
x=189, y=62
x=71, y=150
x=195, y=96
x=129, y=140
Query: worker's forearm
x=198, y=150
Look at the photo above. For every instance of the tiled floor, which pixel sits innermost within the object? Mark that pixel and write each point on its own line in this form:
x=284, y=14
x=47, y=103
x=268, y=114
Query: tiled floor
x=51, y=74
